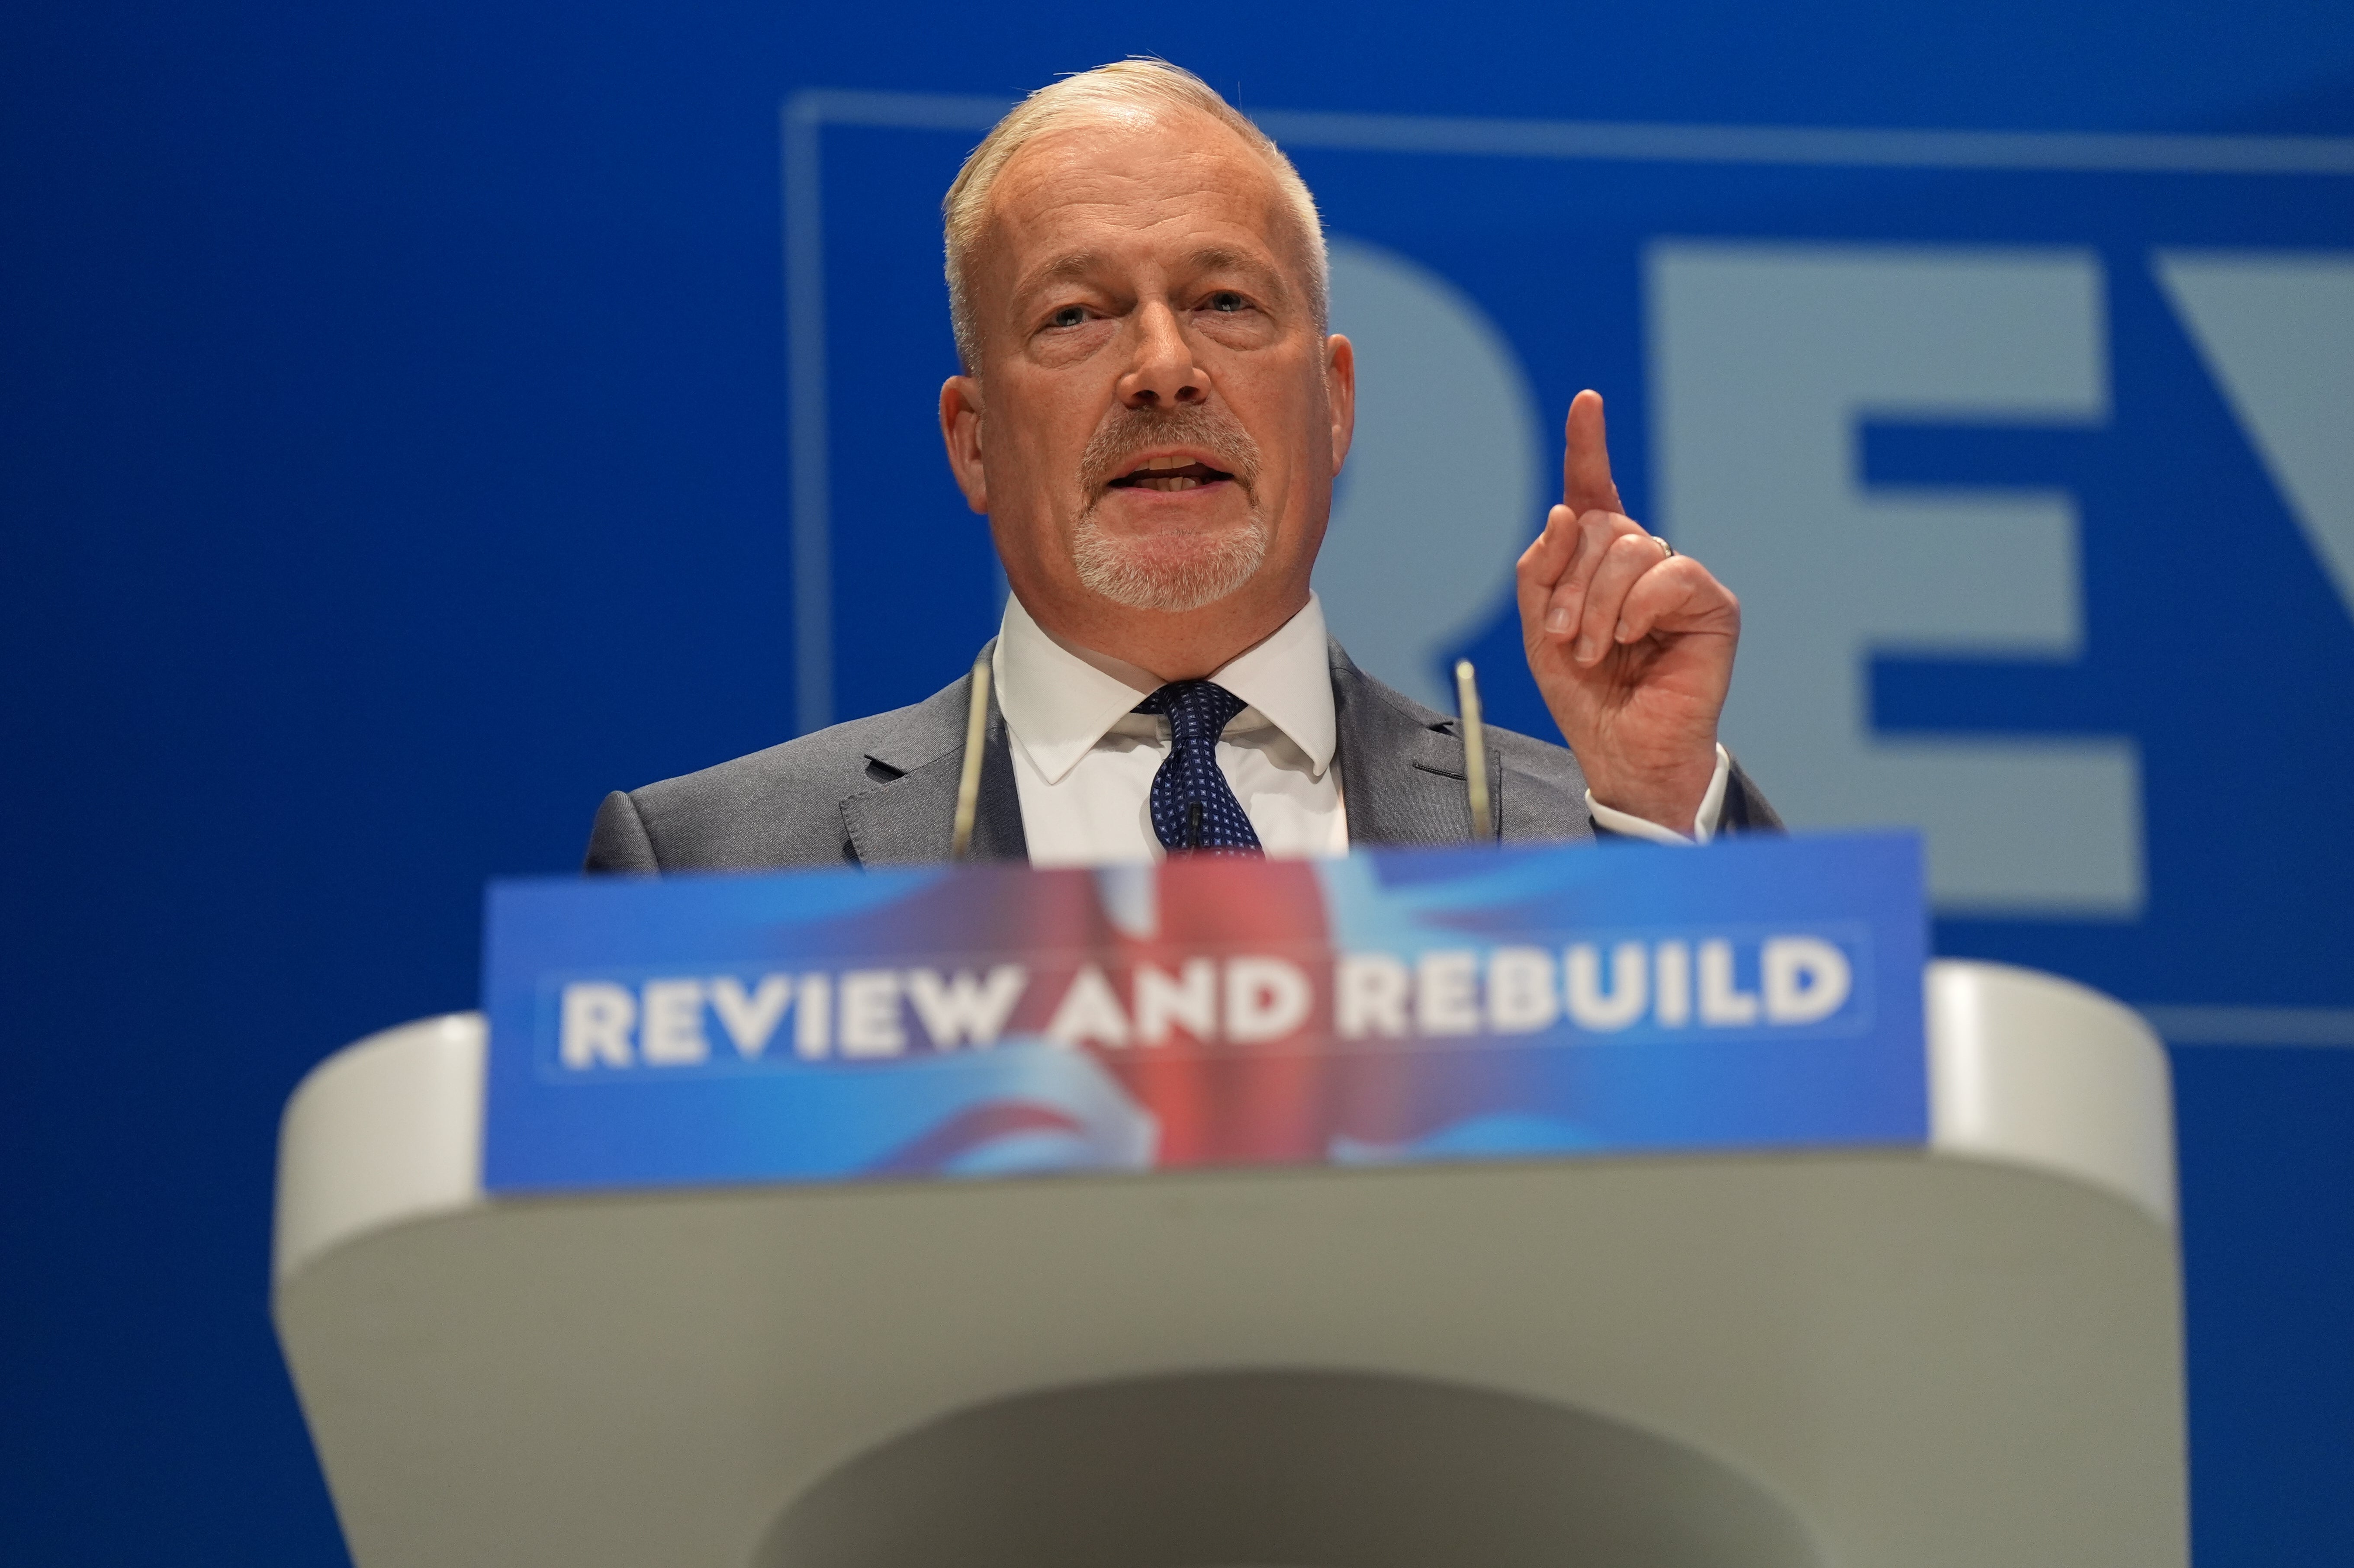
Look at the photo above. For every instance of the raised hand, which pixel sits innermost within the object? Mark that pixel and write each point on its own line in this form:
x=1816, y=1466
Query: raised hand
x=1631, y=644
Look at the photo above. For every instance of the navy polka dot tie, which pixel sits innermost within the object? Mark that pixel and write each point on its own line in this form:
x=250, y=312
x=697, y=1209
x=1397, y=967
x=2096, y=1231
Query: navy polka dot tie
x=1193, y=807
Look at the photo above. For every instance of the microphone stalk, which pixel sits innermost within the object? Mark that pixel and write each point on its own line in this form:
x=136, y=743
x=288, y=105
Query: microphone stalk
x=1475, y=750
x=976, y=734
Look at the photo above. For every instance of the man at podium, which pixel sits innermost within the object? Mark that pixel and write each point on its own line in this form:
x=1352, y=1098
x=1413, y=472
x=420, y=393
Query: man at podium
x=1152, y=413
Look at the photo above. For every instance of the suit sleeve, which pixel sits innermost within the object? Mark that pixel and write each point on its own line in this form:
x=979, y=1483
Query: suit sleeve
x=1746, y=808
x=619, y=842
x=1733, y=805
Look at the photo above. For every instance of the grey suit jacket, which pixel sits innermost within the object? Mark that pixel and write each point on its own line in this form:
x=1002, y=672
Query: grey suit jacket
x=882, y=791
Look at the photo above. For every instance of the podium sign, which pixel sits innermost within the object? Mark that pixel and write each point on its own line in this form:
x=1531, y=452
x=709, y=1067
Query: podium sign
x=1396, y=1005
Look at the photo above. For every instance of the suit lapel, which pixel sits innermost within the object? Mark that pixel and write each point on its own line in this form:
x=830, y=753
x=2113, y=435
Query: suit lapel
x=909, y=816
x=1401, y=765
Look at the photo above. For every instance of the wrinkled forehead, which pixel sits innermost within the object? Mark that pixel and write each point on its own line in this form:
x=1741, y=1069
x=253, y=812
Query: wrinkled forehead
x=1141, y=177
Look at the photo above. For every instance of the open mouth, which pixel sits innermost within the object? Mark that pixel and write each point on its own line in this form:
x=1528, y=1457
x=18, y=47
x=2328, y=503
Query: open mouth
x=1179, y=472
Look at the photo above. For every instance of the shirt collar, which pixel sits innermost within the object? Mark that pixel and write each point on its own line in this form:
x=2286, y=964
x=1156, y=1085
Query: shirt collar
x=1060, y=699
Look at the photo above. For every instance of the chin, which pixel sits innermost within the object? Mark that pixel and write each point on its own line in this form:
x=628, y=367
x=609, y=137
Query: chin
x=1172, y=571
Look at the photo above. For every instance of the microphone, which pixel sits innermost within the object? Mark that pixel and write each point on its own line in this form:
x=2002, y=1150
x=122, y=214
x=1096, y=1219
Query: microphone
x=1475, y=750
x=976, y=731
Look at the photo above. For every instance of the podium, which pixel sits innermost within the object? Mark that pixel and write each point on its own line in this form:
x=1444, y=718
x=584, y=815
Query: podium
x=1967, y=1354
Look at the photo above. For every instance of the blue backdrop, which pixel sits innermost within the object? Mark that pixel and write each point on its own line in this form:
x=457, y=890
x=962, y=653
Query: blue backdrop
x=419, y=419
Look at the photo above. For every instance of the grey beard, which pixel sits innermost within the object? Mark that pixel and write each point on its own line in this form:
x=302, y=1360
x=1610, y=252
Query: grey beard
x=1167, y=571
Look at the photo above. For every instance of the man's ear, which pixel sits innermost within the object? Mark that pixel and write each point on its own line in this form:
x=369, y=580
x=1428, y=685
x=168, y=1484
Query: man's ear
x=1341, y=393
x=960, y=429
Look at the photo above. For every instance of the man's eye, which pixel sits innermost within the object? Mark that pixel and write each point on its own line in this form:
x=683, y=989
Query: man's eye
x=1068, y=316
x=1227, y=300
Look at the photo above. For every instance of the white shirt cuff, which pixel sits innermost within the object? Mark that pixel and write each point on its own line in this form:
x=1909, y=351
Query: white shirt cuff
x=1712, y=806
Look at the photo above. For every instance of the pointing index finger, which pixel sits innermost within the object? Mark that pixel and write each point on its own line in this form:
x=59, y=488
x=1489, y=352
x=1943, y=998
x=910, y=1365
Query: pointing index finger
x=1586, y=483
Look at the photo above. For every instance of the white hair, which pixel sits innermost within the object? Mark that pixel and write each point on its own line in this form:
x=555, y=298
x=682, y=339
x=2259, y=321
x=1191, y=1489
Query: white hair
x=1151, y=86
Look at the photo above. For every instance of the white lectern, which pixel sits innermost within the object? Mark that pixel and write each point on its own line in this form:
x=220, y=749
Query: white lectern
x=1969, y=1355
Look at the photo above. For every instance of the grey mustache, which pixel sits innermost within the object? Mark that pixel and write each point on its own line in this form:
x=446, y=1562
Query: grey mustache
x=1128, y=432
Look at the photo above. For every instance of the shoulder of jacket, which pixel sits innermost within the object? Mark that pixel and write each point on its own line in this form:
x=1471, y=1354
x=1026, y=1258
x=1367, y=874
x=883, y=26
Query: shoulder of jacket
x=842, y=758
x=1528, y=751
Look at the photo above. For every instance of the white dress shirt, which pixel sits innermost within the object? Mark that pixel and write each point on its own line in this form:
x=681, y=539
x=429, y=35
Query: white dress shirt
x=1083, y=758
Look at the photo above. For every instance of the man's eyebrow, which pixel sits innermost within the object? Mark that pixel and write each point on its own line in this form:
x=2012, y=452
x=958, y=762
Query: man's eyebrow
x=1069, y=265
x=1226, y=258
x=1076, y=264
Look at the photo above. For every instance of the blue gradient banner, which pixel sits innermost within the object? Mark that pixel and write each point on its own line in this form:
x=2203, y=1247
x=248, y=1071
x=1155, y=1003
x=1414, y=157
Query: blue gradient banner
x=1391, y=1006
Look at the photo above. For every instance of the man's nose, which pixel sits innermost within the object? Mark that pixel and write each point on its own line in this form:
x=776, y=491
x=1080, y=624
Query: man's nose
x=1164, y=373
